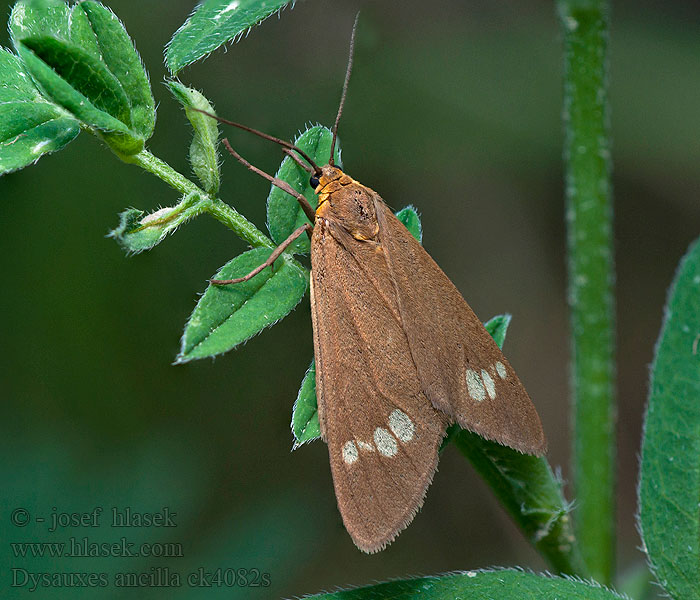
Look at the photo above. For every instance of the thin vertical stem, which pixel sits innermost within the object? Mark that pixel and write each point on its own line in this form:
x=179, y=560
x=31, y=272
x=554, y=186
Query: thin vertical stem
x=591, y=277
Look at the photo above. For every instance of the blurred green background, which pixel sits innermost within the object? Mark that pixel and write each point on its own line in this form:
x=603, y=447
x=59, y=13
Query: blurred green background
x=453, y=107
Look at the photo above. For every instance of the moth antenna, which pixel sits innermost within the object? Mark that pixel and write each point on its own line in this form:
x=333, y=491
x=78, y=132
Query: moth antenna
x=281, y=142
x=296, y=159
x=331, y=161
x=283, y=185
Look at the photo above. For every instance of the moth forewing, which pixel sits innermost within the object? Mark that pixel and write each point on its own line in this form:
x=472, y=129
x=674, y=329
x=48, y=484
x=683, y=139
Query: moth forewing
x=383, y=434
x=462, y=370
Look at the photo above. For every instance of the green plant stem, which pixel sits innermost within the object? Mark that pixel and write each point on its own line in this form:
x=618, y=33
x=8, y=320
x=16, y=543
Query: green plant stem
x=532, y=495
x=214, y=206
x=591, y=277
x=238, y=223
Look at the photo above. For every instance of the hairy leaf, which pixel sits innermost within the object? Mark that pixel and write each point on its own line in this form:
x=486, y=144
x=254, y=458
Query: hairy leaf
x=39, y=18
x=284, y=214
x=502, y=584
x=305, y=425
x=204, y=156
x=68, y=66
x=213, y=23
x=138, y=231
x=84, y=61
x=117, y=51
x=669, y=490
x=498, y=327
x=228, y=315
x=411, y=219
x=30, y=126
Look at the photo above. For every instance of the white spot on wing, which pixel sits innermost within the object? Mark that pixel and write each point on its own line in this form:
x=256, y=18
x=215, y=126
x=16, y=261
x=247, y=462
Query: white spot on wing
x=488, y=384
x=474, y=385
x=349, y=452
x=365, y=446
x=401, y=425
x=501, y=370
x=385, y=442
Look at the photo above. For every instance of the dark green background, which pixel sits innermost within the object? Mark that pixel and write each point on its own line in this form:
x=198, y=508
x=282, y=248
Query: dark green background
x=453, y=107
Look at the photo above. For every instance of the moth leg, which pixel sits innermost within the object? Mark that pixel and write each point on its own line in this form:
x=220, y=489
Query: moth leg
x=306, y=227
x=283, y=185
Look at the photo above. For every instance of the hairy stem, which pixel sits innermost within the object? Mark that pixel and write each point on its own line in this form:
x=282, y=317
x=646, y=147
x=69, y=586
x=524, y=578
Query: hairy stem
x=221, y=211
x=532, y=495
x=585, y=26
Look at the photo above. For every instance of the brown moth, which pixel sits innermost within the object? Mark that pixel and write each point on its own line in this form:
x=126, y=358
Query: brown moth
x=399, y=353
x=399, y=356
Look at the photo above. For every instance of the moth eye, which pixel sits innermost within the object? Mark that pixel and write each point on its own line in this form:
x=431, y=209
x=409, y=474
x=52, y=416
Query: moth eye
x=314, y=181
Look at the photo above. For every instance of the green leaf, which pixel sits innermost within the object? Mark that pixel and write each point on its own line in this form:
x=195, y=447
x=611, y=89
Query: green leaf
x=284, y=214
x=305, y=425
x=62, y=66
x=123, y=61
x=228, y=315
x=38, y=18
x=138, y=231
x=503, y=584
x=213, y=23
x=669, y=488
x=15, y=83
x=86, y=63
x=204, y=156
x=498, y=327
x=29, y=125
x=411, y=219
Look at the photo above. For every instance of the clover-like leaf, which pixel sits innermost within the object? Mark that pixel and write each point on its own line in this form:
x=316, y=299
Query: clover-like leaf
x=30, y=125
x=284, y=215
x=669, y=489
x=228, y=315
x=84, y=61
x=213, y=23
x=117, y=50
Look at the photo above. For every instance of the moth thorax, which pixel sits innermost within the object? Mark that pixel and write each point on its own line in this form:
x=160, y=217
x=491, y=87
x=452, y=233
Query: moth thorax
x=353, y=207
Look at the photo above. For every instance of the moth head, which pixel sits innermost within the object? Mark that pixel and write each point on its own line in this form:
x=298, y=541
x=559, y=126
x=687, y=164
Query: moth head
x=328, y=174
